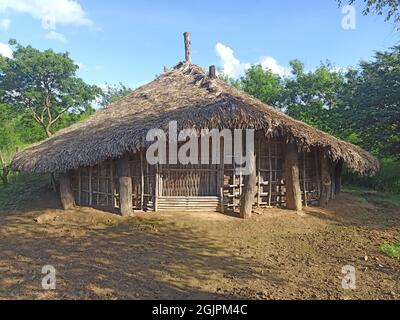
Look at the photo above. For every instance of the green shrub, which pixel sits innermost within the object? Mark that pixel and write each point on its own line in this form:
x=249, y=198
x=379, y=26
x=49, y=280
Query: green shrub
x=387, y=179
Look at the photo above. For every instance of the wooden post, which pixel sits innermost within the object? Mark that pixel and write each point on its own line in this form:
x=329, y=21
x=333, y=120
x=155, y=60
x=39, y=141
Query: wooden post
x=338, y=177
x=326, y=181
x=125, y=186
x=258, y=173
x=293, y=191
x=156, y=191
x=90, y=187
x=317, y=170
x=333, y=181
x=113, y=202
x=270, y=173
x=212, y=73
x=304, y=178
x=249, y=189
x=141, y=181
x=221, y=176
x=186, y=35
x=79, y=186
x=67, y=197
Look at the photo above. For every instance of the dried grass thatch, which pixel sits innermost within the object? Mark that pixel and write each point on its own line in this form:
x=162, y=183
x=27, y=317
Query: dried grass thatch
x=186, y=94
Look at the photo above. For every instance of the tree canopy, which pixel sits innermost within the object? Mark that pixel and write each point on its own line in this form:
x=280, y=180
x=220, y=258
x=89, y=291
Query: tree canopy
x=45, y=83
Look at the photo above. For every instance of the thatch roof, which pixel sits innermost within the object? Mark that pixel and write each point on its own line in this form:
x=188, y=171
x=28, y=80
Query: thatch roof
x=188, y=95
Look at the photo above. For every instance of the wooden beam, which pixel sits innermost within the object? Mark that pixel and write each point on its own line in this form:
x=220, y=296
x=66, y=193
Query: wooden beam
x=125, y=186
x=67, y=197
x=338, y=177
x=221, y=177
x=292, y=180
x=326, y=181
x=249, y=189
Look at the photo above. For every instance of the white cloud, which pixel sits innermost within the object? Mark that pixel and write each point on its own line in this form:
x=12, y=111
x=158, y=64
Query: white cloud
x=271, y=64
x=232, y=67
x=53, y=35
x=4, y=24
x=5, y=50
x=50, y=12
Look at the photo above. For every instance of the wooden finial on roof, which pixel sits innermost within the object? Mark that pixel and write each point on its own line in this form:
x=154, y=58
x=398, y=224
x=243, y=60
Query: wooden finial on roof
x=212, y=73
x=186, y=35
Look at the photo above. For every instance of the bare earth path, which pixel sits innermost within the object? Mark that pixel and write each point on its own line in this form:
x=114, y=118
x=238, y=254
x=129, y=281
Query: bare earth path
x=275, y=255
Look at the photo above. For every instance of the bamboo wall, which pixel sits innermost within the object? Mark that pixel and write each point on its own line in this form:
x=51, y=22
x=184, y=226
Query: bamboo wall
x=202, y=187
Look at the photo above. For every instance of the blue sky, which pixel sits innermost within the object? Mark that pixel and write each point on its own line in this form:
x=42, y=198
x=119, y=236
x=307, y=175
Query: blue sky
x=131, y=41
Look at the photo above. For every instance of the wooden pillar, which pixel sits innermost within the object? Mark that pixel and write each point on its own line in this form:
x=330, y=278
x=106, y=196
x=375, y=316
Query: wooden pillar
x=125, y=186
x=326, y=181
x=221, y=177
x=157, y=188
x=186, y=36
x=249, y=188
x=67, y=197
x=338, y=177
x=292, y=179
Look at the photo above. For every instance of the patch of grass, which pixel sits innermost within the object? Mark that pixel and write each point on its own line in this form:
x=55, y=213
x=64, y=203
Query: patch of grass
x=385, y=199
x=356, y=192
x=22, y=189
x=392, y=250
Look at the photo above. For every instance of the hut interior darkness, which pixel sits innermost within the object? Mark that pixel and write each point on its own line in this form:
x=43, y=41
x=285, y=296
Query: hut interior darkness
x=102, y=160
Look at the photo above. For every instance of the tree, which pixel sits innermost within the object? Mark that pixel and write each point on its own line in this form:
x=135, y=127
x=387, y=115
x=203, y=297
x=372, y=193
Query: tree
x=45, y=84
x=373, y=103
x=315, y=96
x=113, y=93
x=388, y=8
x=262, y=84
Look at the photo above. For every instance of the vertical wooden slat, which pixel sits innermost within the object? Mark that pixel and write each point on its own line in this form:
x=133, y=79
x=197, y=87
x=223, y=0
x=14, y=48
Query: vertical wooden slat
x=98, y=183
x=221, y=177
x=79, y=186
x=270, y=173
x=141, y=181
x=90, y=187
x=259, y=173
x=113, y=202
x=317, y=172
x=304, y=178
x=156, y=195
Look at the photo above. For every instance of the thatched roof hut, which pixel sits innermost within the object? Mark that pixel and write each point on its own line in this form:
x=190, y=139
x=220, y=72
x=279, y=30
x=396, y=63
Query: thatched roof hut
x=193, y=98
x=184, y=93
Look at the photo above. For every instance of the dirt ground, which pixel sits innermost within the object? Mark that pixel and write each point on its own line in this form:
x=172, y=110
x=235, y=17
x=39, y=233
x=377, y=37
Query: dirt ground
x=277, y=254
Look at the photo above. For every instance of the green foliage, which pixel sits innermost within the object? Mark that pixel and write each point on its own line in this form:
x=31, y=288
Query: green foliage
x=387, y=179
x=113, y=93
x=263, y=84
x=373, y=103
x=392, y=250
x=45, y=84
x=387, y=8
x=315, y=97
